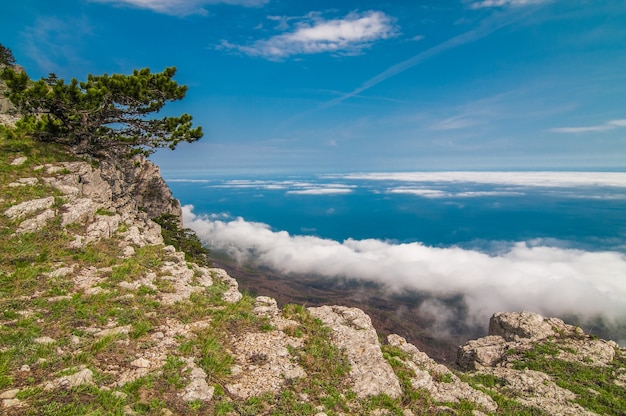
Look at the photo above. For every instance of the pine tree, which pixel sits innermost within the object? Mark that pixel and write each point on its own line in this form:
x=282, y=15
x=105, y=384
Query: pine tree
x=107, y=115
x=6, y=56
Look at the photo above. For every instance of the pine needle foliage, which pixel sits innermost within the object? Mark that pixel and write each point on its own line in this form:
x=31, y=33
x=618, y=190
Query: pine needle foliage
x=107, y=115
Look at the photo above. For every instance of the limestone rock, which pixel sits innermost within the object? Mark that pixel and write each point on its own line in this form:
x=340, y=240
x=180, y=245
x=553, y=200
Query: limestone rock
x=536, y=389
x=84, y=376
x=181, y=277
x=61, y=272
x=44, y=340
x=103, y=227
x=487, y=351
x=113, y=331
x=9, y=394
x=141, y=363
x=592, y=352
x=24, y=182
x=232, y=294
x=265, y=306
x=524, y=325
x=18, y=161
x=87, y=278
x=441, y=383
x=33, y=224
x=28, y=207
x=353, y=332
x=263, y=363
x=198, y=388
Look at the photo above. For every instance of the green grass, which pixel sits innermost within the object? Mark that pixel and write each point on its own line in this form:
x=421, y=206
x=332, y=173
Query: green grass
x=594, y=385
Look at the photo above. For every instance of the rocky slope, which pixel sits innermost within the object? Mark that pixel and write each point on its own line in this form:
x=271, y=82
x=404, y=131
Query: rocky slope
x=99, y=316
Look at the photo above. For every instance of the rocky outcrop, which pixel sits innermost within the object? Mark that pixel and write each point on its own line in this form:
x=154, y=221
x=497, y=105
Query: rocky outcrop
x=352, y=332
x=139, y=181
x=517, y=341
x=443, y=385
x=519, y=332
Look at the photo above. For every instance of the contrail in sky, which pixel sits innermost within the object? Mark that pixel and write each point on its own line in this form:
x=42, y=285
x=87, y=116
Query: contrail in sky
x=486, y=28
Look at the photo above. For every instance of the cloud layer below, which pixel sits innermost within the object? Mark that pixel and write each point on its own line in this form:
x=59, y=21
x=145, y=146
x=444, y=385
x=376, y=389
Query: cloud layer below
x=527, y=276
x=530, y=179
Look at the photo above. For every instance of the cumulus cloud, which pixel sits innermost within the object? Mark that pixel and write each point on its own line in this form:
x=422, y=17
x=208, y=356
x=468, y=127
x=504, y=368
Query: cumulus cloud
x=526, y=276
x=504, y=3
x=314, y=34
x=610, y=125
x=181, y=7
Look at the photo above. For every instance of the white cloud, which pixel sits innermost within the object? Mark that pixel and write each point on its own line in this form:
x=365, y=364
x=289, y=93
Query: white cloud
x=292, y=187
x=313, y=34
x=618, y=123
x=587, y=129
x=321, y=191
x=486, y=27
x=532, y=179
x=427, y=193
x=436, y=193
x=609, y=125
x=189, y=180
x=505, y=3
x=181, y=7
x=549, y=280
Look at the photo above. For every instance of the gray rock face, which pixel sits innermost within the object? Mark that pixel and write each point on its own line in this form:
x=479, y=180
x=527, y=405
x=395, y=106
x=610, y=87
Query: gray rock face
x=516, y=326
x=353, y=332
x=512, y=334
x=28, y=207
x=536, y=389
x=438, y=380
x=263, y=363
x=483, y=352
x=198, y=388
x=140, y=181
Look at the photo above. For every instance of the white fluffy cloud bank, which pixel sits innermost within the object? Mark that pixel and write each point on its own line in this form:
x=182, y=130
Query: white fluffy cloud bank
x=548, y=280
x=181, y=7
x=313, y=34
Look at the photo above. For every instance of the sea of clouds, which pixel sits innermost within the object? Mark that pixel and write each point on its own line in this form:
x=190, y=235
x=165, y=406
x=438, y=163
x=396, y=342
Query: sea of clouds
x=549, y=280
x=539, y=275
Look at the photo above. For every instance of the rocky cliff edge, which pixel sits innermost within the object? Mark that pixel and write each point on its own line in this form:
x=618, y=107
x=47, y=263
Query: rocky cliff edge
x=99, y=316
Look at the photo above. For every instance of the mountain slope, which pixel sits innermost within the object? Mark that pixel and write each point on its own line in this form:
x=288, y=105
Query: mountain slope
x=100, y=316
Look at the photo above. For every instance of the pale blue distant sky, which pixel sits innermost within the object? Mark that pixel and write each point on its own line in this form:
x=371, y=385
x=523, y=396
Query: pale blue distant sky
x=328, y=86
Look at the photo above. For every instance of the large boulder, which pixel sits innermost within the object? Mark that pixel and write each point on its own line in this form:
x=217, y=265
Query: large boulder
x=352, y=332
x=513, y=326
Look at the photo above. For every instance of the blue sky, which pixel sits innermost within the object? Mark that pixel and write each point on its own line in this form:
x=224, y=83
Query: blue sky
x=321, y=86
